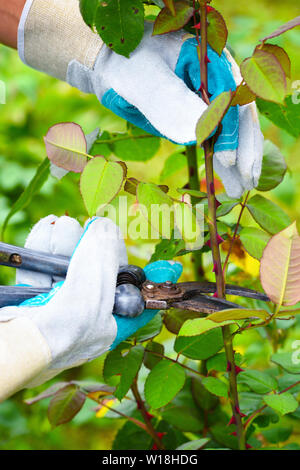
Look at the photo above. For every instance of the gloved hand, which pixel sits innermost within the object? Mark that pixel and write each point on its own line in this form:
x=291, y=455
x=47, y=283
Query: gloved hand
x=75, y=318
x=154, y=89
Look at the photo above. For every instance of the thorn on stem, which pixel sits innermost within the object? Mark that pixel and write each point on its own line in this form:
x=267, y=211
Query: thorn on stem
x=215, y=269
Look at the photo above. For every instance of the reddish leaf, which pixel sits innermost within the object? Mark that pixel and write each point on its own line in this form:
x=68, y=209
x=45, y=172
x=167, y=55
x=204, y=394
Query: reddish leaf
x=166, y=22
x=217, y=32
x=65, y=404
x=280, y=267
x=243, y=95
x=66, y=146
x=285, y=27
x=170, y=5
x=49, y=392
x=265, y=76
x=280, y=55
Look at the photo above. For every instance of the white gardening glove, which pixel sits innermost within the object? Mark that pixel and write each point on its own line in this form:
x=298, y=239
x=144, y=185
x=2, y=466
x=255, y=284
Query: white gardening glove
x=77, y=322
x=154, y=89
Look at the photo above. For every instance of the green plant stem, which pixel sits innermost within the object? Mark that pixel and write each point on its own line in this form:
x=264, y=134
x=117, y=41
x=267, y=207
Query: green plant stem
x=208, y=152
x=235, y=233
x=194, y=183
x=147, y=420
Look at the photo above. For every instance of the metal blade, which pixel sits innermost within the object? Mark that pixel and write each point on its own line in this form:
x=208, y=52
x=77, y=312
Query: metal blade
x=231, y=289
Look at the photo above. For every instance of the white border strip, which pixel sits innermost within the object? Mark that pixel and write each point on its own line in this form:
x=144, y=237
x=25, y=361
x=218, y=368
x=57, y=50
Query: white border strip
x=21, y=30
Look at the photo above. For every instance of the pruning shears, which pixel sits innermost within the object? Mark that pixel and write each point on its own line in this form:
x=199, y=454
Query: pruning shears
x=158, y=296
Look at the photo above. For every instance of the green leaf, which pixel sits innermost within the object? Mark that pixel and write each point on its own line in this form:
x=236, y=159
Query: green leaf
x=120, y=23
x=175, y=318
x=139, y=147
x=156, y=206
x=217, y=32
x=286, y=115
x=163, y=383
x=65, y=404
x=170, y=4
x=183, y=418
x=219, y=361
x=88, y=10
x=194, y=445
x=254, y=241
x=192, y=192
x=66, y=146
x=152, y=329
x=277, y=434
x=174, y=163
x=167, y=22
x=265, y=76
x=280, y=267
x=243, y=95
x=202, y=397
x=285, y=27
x=227, y=204
x=258, y=381
x=41, y=175
x=150, y=359
x=215, y=386
x=267, y=214
x=212, y=116
x=100, y=182
x=125, y=364
x=199, y=338
x=280, y=55
x=132, y=437
x=238, y=314
x=282, y=403
x=167, y=249
x=289, y=361
x=273, y=167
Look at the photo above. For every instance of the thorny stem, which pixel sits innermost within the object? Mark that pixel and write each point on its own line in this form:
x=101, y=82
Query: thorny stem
x=208, y=152
x=235, y=233
x=194, y=183
x=141, y=407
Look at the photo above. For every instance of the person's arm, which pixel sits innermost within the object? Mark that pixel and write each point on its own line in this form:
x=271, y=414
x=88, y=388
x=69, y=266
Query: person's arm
x=10, y=13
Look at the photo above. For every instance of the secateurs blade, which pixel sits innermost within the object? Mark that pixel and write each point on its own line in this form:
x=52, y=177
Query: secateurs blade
x=134, y=292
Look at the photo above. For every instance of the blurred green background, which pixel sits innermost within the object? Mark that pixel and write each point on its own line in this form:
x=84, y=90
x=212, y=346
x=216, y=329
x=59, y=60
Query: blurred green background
x=34, y=102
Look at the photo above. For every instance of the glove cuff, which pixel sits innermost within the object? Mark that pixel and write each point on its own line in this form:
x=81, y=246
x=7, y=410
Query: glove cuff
x=52, y=33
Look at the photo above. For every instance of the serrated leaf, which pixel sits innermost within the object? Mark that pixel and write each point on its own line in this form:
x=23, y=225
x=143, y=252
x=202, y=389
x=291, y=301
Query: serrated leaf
x=238, y=314
x=215, y=386
x=139, y=147
x=175, y=318
x=217, y=32
x=254, y=241
x=280, y=54
x=100, y=182
x=282, y=403
x=126, y=365
x=194, y=445
x=166, y=21
x=267, y=214
x=152, y=329
x=282, y=29
x=150, y=359
x=65, y=404
x=163, y=383
x=289, y=361
x=41, y=175
x=265, y=76
x=212, y=116
x=167, y=249
x=88, y=10
x=156, y=206
x=286, y=115
x=120, y=23
x=258, y=381
x=243, y=95
x=66, y=146
x=280, y=267
x=183, y=418
x=273, y=167
x=227, y=204
x=199, y=338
